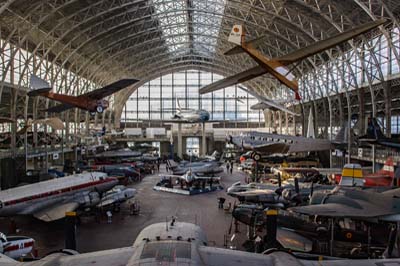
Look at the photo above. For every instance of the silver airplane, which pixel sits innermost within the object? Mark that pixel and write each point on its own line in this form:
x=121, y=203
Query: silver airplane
x=183, y=244
x=268, y=143
x=50, y=200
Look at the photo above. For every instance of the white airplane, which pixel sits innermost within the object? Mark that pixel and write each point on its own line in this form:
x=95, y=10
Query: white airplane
x=190, y=176
x=116, y=196
x=15, y=246
x=50, y=200
x=184, y=244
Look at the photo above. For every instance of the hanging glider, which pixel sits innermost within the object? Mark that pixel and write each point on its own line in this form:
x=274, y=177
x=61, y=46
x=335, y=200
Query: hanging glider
x=277, y=66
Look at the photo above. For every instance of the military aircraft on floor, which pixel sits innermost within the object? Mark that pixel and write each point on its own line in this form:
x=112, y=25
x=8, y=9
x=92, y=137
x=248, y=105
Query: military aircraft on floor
x=199, y=168
x=306, y=235
x=116, y=196
x=277, y=66
x=375, y=136
x=179, y=243
x=354, y=203
x=50, y=200
x=16, y=246
x=189, y=177
x=92, y=101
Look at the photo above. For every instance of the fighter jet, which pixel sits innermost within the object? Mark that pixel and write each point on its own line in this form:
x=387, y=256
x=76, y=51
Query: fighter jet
x=115, y=196
x=92, y=101
x=277, y=66
x=15, y=246
x=50, y=200
x=190, y=176
x=354, y=203
x=180, y=243
x=199, y=168
x=375, y=136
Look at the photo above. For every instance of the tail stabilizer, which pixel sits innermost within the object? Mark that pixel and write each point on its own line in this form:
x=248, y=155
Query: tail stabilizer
x=388, y=167
x=38, y=86
x=237, y=35
x=178, y=106
x=374, y=130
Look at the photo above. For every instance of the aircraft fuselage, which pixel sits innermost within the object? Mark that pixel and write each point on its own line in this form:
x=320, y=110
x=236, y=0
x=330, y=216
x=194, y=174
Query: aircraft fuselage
x=193, y=116
x=27, y=200
x=81, y=102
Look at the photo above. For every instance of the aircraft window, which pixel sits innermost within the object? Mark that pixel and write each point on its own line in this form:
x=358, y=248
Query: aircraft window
x=166, y=251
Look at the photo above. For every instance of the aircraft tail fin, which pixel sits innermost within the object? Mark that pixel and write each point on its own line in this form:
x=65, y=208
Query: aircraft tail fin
x=374, y=130
x=237, y=35
x=388, y=167
x=38, y=86
x=178, y=105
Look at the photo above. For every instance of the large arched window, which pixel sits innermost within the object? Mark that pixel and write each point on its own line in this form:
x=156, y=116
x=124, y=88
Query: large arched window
x=157, y=99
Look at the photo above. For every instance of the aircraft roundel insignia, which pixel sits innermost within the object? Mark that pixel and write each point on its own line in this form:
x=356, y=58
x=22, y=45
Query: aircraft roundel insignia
x=236, y=29
x=349, y=235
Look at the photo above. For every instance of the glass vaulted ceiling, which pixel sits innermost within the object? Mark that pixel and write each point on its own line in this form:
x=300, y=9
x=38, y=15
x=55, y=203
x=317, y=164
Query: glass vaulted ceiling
x=190, y=27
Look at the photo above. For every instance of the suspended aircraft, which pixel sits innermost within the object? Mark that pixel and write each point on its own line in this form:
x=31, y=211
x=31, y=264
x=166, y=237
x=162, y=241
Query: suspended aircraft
x=50, y=200
x=92, y=101
x=277, y=66
x=179, y=243
x=265, y=103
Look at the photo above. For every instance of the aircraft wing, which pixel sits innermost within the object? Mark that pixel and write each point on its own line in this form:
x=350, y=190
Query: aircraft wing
x=235, y=79
x=109, y=89
x=118, y=256
x=272, y=106
x=340, y=210
x=211, y=256
x=323, y=45
x=54, y=122
x=56, y=212
x=59, y=108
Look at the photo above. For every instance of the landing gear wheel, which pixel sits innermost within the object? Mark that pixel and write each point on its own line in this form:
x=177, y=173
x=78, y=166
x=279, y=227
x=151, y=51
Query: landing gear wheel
x=99, y=109
x=257, y=157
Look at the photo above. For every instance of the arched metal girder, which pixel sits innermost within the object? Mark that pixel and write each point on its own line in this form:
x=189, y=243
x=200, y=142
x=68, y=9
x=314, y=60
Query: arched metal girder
x=287, y=24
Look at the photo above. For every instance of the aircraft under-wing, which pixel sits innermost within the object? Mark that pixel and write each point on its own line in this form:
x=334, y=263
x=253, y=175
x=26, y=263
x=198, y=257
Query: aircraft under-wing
x=265, y=103
x=354, y=203
x=50, y=200
x=189, y=177
x=182, y=243
x=277, y=66
x=92, y=101
x=375, y=136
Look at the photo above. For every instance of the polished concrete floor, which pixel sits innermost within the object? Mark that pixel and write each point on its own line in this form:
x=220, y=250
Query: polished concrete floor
x=155, y=207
